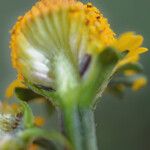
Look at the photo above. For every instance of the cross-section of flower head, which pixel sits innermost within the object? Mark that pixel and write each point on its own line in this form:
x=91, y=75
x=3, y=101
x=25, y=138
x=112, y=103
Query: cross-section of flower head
x=66, y=34
x=53, y=28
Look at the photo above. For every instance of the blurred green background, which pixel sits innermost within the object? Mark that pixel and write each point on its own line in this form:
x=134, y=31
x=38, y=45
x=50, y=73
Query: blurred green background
x=122, y=124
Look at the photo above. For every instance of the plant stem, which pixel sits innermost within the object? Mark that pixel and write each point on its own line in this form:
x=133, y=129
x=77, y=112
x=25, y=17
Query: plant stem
x=80, y=128
x=89, y=131
x=72, y=127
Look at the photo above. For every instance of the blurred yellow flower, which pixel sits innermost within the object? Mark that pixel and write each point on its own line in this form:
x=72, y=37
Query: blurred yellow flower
x=39, y=121
x=139, y=83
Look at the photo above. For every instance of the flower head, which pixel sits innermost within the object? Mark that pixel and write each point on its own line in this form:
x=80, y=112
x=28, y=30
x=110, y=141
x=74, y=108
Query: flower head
x=51, y=28
x=65, y=33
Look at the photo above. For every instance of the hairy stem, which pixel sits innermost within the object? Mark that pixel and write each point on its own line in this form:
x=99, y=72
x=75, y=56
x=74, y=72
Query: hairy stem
x=88, y=127
x=72, y=127
x=80, y=128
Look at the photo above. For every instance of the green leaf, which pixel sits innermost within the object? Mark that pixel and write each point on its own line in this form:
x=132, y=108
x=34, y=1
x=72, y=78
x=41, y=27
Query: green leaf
x=26, y=94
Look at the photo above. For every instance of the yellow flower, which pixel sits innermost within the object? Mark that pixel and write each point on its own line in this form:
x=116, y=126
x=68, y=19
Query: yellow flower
x=139, y=83
x=64, y=27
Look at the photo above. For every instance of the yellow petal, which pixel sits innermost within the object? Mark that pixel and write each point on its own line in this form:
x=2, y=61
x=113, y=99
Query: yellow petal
x=129, y=41
x=128, y=59
x=122, y=42
x=10, y=90
x=141, y=50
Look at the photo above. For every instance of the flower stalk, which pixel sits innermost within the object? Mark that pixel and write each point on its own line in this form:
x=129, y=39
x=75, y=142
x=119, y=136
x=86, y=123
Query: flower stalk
x=79, y=126
x=89, y=129
x=72, y=127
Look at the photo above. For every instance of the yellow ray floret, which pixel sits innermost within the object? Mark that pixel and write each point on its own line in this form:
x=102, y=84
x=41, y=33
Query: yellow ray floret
x=139, y=83
x=10, y=90
x=132, y=43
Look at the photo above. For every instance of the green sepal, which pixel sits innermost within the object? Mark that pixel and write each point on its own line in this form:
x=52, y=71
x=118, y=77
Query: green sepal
x=26, y=95
x=98, y=76
x=119, y=84
x=121, y=81
x=137, y=67
x=126, y=80
x=50, y=95
x=28, y=117
x=116, y=90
